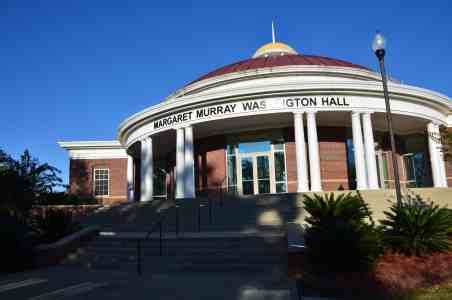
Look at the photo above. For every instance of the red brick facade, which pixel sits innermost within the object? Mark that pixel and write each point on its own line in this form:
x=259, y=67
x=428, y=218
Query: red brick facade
x=291, y=164
x=333, y=159
x=210, y=165
x=81, y=178
x=449, y=172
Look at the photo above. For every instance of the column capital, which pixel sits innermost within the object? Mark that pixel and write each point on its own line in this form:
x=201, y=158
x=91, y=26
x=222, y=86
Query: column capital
x=311, y=112
x=367, y=112
x=146, y=138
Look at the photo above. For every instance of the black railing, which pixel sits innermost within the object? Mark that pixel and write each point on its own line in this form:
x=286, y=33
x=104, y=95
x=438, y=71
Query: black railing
x=139, y=241
x=164, y=220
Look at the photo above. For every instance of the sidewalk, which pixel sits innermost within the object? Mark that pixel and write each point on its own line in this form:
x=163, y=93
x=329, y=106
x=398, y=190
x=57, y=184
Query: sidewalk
x=73, y=283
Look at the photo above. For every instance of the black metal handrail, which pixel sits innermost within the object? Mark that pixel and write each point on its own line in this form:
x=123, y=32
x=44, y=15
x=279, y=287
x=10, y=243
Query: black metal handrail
x=159, y=225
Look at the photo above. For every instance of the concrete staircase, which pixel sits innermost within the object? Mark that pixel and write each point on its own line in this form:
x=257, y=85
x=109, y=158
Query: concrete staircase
x=255, y=252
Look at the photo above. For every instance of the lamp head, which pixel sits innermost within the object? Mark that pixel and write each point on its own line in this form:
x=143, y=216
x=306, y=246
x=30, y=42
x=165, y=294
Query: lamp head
x=378, y=45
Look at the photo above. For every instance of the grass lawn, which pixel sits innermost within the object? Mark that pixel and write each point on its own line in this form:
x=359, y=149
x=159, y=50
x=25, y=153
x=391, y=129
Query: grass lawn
x=439, y=292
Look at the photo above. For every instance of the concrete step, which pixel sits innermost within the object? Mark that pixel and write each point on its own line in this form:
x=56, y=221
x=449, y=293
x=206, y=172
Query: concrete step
x=200, y=252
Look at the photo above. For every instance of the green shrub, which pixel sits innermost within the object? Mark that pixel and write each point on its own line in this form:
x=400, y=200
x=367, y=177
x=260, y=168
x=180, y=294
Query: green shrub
x=341, y=235
x=54, y=225
x=415, y=227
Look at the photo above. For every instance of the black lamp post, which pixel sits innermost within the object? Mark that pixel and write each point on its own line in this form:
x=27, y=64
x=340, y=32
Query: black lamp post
x=378, y=46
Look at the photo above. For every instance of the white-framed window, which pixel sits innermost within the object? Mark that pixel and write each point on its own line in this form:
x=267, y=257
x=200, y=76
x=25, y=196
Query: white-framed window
x=101, y=182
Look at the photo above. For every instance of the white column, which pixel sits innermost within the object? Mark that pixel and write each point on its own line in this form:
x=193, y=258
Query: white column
x=360, y=164
x=369, y=145
x=180, y=163
x=300, y=148
x=147, y=170
x=442, y=164
x=189, y=175
x=438, y=172
x=314, y=159
x=130, y=179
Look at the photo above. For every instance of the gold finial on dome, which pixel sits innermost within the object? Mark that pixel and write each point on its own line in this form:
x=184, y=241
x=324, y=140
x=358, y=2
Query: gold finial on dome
x=274, y=48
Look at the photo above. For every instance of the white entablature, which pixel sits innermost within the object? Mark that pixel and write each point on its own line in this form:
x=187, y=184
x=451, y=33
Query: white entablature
x=362, y=87
x=94, y=149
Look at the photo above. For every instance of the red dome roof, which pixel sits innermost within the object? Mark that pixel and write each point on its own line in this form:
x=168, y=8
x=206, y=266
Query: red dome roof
x=277, y=61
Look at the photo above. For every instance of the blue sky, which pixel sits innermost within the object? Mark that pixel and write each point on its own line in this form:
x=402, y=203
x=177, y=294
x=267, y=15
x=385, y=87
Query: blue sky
x=73, y=70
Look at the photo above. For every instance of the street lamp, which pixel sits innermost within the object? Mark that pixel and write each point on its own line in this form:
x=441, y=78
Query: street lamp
x=378, y=46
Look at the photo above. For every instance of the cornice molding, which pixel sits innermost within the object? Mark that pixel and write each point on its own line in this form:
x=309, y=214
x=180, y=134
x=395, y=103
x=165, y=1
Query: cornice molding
x=402, y=92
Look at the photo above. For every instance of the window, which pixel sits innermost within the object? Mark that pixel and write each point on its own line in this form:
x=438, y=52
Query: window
x=101, y=182
x=414, y=168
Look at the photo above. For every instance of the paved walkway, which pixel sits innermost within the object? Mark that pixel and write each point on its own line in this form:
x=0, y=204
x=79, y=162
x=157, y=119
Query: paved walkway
x=192, y=235
x=73, y=283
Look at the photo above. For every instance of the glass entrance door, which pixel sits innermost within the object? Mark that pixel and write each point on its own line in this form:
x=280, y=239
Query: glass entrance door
x=256, y=168
x=263, y=174
x=255, y=174
x=247, y=175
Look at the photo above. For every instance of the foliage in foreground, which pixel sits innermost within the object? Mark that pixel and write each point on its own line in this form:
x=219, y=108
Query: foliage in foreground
x=24, y=181
x=415, y=227
x=63, y=198
x=17, y=244
x=341, y=235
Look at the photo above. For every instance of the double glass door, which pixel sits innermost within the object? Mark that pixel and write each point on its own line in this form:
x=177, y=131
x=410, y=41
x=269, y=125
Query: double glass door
x=255, y=174
x=256, y=168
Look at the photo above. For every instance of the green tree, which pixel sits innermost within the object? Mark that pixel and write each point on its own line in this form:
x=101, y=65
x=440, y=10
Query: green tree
x=24, y=181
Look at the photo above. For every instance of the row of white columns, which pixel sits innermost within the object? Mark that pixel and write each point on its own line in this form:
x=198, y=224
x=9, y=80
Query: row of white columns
x=364, y=155
x=364, y=151
x=365, y=160
x=301, y=155
x=185, y=167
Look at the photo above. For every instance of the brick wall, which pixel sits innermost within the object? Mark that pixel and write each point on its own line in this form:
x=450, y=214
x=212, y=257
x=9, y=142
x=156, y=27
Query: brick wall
x=81, y=178
x=333, y=158
x=449, y=172
x=210, y=164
